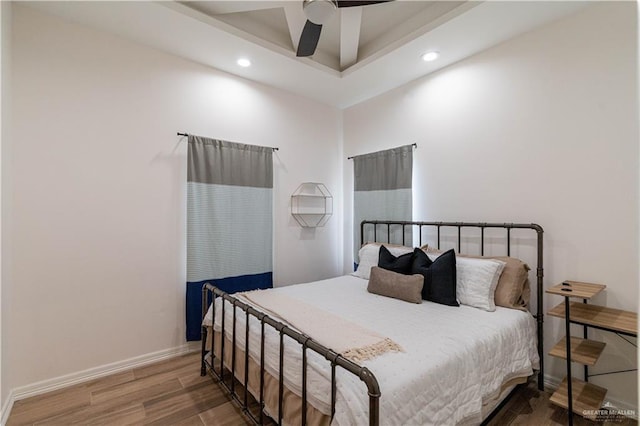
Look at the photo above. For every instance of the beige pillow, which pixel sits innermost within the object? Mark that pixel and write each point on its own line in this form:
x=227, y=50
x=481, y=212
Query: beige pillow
x=513, y=289
x=513, y=283
x=398, y=286
x=525, y=297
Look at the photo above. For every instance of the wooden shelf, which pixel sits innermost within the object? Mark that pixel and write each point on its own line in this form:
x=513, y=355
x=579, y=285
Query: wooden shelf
x=583, y=351
x=576, y=289
x=586, y=396
x=600, y=317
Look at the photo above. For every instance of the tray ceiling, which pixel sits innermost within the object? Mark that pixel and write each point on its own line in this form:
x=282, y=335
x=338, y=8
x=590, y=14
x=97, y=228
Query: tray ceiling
x=362, y=52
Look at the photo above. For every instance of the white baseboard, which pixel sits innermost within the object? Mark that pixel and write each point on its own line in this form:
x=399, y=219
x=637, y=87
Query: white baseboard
x=6, y=409
x=553, y=382
x=67, y=380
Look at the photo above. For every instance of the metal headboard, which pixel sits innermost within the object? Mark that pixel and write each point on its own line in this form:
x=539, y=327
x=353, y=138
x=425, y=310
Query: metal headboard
x=460, y=226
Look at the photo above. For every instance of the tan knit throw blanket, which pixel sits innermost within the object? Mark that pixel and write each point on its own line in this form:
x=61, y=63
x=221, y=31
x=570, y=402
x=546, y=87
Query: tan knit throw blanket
x=350, y=340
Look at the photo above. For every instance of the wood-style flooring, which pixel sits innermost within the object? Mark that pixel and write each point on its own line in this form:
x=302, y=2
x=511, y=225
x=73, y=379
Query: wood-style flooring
x=530, y=407
x=173, y=393
x=166, y=393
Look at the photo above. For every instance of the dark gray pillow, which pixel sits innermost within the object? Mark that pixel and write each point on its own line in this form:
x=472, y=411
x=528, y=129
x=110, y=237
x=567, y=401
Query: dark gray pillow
x=439, y=276
x=400, y=264
x=392, y=284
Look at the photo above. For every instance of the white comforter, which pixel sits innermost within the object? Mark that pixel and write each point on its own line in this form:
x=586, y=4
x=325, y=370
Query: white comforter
x=454, y=356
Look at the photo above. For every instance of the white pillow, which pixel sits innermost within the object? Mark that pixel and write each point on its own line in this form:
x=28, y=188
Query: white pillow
x=368, y=257
x=476, y=281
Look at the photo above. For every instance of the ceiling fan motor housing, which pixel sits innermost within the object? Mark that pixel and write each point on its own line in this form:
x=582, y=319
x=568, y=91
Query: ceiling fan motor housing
x=319, y=11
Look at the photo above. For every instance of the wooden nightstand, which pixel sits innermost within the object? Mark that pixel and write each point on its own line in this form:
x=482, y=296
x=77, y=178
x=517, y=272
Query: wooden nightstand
x=575, y=395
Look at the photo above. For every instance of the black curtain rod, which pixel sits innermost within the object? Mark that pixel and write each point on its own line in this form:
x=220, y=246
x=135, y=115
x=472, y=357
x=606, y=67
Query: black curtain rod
x=186, y=134
x=415, y=145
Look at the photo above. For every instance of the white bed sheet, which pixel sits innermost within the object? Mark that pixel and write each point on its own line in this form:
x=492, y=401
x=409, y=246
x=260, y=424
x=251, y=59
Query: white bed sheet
x=453, y=356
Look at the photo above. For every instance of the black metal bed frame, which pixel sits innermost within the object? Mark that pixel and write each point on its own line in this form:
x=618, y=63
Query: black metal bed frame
x=307, y=343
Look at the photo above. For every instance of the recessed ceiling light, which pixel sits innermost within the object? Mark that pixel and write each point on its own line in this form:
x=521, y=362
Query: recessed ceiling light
x=430, y=56
x=244, y=62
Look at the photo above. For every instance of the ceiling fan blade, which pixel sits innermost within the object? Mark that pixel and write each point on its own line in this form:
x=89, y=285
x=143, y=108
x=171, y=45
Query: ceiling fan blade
x=309, y=39
x=355, y=3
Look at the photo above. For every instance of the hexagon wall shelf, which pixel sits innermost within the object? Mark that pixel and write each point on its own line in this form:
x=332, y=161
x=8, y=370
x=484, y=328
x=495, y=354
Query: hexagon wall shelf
x=311, y=205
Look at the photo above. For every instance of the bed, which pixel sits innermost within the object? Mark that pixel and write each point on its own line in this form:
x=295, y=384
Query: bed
x=454, y=365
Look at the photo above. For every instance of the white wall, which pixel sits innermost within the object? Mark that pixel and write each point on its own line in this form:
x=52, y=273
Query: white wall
x=99, y=191
x=543, y=128
x=5, y=93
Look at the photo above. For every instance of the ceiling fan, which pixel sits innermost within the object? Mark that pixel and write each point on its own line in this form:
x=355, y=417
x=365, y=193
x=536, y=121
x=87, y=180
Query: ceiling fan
x=318, y=12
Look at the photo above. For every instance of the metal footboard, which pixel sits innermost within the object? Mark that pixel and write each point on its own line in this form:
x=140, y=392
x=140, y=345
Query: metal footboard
x=306, y=343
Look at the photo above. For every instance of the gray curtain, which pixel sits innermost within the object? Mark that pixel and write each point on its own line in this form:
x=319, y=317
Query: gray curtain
x=229, y=220
x=382, y=191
